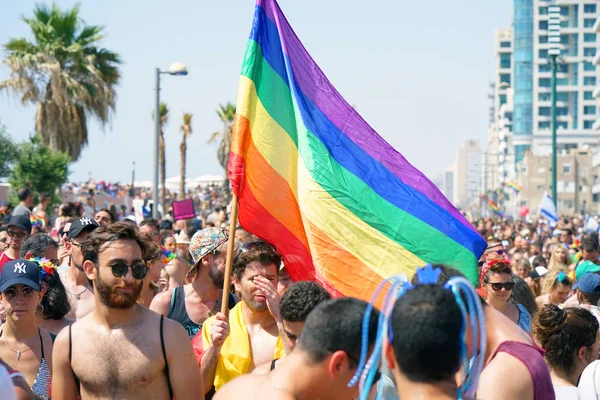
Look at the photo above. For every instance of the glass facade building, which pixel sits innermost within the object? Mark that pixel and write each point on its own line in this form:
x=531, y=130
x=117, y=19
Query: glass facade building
x=523, y=73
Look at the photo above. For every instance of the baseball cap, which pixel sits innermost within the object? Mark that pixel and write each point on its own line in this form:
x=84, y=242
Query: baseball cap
x=205, y=241
x=20, y=221
x=20, y=272
x=182, y=238
x=586, y=267
x=81, y=224
x=589, y=283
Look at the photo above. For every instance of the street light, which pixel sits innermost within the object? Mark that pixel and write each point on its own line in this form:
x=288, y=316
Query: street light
x=177, y=69
x=553, y=53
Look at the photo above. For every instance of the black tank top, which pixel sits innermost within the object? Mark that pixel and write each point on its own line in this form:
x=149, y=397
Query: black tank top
x=177, y=311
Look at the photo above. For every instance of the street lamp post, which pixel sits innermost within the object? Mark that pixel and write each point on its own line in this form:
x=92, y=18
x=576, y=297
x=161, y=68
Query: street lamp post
x=553, y=53
x=175, y=69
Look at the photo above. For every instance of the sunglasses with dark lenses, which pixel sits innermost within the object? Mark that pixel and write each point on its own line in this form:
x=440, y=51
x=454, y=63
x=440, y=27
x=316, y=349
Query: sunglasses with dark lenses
x=11, y=293
x=497, y=286
x=119, y=270
x=15, y=234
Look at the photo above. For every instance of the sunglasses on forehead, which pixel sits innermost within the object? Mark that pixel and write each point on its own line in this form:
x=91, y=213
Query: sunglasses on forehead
x=257, y=244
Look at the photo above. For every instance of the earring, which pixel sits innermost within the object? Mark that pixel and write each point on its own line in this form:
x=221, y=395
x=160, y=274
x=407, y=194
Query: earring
x=39, y=309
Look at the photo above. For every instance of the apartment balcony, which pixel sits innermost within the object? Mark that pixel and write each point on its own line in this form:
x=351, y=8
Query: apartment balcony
x=596, y=59
x=596, y=92
x=597, y=25
x=596, y=125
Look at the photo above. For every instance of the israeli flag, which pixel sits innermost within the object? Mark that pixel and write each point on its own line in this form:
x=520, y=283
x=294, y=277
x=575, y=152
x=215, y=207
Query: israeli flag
x=548, y=209
x=591, y=225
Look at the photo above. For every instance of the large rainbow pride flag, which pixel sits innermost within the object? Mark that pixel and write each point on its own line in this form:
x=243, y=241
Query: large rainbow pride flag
x=313, y=178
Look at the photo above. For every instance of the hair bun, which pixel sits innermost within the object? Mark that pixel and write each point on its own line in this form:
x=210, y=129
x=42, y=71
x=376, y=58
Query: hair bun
x=551, y=319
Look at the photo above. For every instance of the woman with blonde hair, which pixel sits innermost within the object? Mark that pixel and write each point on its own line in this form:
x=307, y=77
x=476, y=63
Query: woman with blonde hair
x=560, y=258
x=556, y=288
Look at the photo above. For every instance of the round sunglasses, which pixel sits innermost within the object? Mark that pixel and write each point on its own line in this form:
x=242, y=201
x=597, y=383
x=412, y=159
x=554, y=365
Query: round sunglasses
x=138, y=270
x=497, y=286
x=11, y=293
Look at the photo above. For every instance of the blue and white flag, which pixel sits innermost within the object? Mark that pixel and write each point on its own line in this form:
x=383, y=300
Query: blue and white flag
x=591, y=225
x=548, y=208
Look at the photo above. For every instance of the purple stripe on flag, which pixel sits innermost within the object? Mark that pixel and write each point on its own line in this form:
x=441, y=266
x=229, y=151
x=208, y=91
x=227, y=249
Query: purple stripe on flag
x=315, y=85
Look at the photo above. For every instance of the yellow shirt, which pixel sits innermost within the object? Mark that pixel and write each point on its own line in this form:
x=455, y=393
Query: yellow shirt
x=235, y=357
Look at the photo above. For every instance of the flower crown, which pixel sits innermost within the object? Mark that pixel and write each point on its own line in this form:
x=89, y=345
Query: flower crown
x=47, y=268
x=167, y=256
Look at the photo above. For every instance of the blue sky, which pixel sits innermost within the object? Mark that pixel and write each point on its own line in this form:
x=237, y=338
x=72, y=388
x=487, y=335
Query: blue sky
x=417, y=71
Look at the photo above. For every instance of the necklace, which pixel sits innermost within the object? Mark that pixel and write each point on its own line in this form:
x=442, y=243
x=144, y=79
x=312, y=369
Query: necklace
x=19, y=352
x=77, y=295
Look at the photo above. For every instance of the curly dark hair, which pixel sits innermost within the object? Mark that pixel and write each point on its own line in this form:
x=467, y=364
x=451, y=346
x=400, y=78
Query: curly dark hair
x=261, y=252
x=152, y=253
x=91, y=247
x=300, y=299
x=562, y=332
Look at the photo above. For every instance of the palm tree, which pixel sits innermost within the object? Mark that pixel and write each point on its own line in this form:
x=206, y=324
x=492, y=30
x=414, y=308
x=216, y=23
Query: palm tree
x=66, y=74
x=186, y=129
x=164, y=118
x=227, y=115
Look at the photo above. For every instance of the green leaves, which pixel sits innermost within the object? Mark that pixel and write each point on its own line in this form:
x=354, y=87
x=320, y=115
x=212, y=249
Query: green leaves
x=39, y=168
x=8, y=152
x=65, y=73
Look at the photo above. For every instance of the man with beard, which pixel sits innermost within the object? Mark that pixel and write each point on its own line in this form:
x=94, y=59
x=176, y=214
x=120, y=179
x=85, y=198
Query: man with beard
x=192, y=304
x=249, y=337
x=121, y=350
x=80, y=293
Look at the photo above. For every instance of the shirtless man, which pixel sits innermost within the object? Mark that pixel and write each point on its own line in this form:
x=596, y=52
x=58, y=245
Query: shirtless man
x=121, y=350
x=509, y=352
x=250, y=336
x=424, y=354
x=192, y=304
x=322, y=364
x=79, y=291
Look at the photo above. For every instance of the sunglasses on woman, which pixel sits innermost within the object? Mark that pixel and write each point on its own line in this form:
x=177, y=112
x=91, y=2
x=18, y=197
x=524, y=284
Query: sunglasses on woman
x=11, y=293
x=138, y=270
x=497, y=286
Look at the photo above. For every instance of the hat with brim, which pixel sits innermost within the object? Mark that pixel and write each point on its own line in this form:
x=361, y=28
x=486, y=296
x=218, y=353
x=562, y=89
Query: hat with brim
x=204, y=242
x=20, y=272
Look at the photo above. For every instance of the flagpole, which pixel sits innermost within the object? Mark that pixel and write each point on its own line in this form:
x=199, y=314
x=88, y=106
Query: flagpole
x=230, y=248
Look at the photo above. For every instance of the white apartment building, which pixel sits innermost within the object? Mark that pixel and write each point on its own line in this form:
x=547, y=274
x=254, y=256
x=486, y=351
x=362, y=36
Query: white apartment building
x=577, y=77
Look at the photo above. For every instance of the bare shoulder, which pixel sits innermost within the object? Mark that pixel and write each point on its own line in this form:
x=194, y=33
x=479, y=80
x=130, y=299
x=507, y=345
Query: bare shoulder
x=521, y=383
x=262, y=369
x=162, y=302
x=242, y=386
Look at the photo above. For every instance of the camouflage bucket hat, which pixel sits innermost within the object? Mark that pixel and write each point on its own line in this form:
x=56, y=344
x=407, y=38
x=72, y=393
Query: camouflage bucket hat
x=206, y=241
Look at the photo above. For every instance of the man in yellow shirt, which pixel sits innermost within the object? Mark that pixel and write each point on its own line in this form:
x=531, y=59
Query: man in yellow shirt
x=235, y=345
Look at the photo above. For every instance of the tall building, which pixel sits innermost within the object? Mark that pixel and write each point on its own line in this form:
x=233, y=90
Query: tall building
x=577, y=77
x=448, y=182
x=523, y=76
x=468, y=174
x=498, y=164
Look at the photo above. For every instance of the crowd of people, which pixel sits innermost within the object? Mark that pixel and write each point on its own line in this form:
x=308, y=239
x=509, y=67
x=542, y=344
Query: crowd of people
x=98, y=304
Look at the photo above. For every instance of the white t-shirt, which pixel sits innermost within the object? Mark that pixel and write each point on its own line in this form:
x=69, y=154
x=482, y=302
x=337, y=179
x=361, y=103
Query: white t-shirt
x=7, y=389
x=565, y=392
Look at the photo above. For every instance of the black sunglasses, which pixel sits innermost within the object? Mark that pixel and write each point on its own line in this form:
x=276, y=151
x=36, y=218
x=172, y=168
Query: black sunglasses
x=497, y=286
x=119, y=270
x=15, y=234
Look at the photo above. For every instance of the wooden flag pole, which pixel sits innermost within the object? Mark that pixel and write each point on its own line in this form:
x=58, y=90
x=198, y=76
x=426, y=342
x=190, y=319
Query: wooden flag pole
x=230, y=248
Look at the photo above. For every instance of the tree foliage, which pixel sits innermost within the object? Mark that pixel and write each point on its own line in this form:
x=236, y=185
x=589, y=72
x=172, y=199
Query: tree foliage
x=65, y=74
x=8, y=152
x=39, y=168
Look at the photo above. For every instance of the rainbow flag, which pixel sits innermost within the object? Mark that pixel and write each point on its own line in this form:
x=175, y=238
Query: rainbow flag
x=36, y=221
x=313, y=178
x=514, y=186
x=494, y=206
